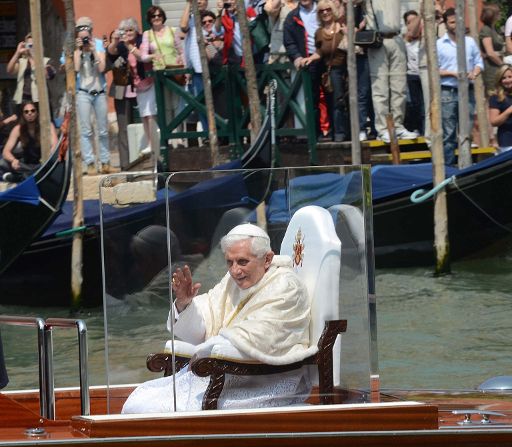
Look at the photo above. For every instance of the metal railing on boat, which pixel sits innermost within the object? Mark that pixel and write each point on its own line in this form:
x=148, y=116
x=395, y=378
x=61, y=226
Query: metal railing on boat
x=45, y=356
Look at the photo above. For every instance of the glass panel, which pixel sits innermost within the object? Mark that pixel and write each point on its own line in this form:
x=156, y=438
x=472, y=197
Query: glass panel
x=191, y=214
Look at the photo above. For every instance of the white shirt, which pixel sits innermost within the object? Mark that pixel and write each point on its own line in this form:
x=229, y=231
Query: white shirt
x=508, y=27
x=413, y=49
x=447, y=58
x=191, y=50
x=311, y=24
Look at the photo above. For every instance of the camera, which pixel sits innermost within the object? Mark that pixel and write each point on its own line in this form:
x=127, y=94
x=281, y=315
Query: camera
x=28, y=45
x=121, y=33
x=85, y=41
x=227, y=5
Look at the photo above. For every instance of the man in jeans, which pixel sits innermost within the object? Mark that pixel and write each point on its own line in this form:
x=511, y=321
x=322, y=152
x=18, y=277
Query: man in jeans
x=448, y=70
x=388, y=68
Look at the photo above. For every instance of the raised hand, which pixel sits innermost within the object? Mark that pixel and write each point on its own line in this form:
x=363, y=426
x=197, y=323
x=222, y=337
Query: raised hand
x=184, y=288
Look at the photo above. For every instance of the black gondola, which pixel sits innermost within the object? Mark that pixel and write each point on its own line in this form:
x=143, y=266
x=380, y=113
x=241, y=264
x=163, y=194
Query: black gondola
x=21, y=222
x=41, y=275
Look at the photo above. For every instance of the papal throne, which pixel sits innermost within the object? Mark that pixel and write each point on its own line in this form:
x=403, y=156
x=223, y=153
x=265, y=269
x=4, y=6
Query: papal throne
x=311, y=241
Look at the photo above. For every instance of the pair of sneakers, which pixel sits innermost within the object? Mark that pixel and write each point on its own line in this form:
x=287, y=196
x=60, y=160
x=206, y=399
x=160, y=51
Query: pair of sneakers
x=401, y=134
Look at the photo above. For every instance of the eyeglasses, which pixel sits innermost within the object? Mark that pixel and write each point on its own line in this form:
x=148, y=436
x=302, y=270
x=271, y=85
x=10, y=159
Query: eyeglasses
x=154, y=16
x=207, y=21
x=325, y=11
x=26, y=112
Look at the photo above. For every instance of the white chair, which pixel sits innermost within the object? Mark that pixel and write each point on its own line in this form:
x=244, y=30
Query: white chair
x=311, y=241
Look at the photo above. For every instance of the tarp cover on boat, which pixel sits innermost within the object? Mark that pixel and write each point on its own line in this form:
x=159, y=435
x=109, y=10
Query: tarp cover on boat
x=217, y=192
x=25, y=192
x=387, y=180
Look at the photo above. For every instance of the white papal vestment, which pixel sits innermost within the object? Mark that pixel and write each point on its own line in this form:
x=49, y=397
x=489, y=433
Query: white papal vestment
x=268, y=322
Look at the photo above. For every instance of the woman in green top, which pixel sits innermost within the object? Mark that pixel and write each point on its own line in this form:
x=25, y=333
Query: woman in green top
x=491, y=44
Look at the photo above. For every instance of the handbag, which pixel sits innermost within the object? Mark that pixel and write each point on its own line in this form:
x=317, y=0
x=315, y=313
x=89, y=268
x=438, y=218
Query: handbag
x=368, y=38
x=326, y=82
x=121, y=73
x=325, y=79
x=178, y=78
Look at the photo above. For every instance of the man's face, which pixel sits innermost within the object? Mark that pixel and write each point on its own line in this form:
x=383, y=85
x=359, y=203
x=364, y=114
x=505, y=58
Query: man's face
x=202, y=5
x=451, y=24
x=306, y=3
x=244, y=267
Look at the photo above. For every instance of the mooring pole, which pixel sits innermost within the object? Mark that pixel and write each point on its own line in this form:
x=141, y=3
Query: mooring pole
x=441, y=242
x=481, y=103
x=207, y=86
x=78, y=202
x=463, y=88
x=40, y=71
x=352, y=85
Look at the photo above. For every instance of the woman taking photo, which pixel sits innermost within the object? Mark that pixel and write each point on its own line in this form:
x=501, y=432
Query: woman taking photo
x=330, y=43
x=500, y=108
x=162, y=47
x=22, y=151
x=127, y=72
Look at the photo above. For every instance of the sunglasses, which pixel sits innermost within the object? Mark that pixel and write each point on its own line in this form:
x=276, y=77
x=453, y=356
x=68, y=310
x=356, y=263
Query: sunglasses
x=324, y=11
x=128, y=30
x=154, y=16
x=207, y=21
x=26, y=112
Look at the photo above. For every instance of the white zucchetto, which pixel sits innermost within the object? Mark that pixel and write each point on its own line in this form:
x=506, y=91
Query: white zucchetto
x=248, y=230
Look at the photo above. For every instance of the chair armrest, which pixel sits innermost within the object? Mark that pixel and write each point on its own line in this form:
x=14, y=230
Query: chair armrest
x=163, y=362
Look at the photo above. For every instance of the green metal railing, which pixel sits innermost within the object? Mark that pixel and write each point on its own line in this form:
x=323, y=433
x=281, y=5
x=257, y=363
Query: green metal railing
x=229, y=85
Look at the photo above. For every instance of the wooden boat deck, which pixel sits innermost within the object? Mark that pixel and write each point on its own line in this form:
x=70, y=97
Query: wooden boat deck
x=426, y=420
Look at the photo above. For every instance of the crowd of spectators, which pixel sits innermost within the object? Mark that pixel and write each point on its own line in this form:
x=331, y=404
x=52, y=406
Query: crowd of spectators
x=392, y=78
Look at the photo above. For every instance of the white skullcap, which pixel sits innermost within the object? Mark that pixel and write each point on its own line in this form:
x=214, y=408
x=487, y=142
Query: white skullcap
x=248, y=230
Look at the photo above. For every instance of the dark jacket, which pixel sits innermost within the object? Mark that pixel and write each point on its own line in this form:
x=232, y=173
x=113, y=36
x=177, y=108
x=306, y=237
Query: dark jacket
x=295, y=36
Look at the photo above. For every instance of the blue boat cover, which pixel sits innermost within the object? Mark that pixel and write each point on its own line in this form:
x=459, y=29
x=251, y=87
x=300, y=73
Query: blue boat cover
x=25, y=192
x=329, y=189
x=227, y=191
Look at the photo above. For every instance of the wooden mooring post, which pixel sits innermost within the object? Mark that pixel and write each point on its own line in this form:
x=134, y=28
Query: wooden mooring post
x=441, y=240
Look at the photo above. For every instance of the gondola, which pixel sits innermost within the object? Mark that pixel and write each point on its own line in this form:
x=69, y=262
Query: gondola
x=29, y=208
x=45, y=265
x=478, y=215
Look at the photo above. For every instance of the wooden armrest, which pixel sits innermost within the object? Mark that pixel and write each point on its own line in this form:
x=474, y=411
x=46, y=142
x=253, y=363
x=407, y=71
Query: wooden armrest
x=163, y=362
x=217, y=368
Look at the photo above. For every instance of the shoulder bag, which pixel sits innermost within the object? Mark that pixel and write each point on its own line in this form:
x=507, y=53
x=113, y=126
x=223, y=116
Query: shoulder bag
x=369, y=38
x=178, y=78
x=325, y=80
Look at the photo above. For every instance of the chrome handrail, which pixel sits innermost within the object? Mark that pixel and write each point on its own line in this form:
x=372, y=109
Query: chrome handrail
x=45, y=350
x=38, y=323
x=82, y=360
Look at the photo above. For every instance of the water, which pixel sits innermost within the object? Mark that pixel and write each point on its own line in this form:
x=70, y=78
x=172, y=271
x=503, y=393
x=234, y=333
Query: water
x=449, y=332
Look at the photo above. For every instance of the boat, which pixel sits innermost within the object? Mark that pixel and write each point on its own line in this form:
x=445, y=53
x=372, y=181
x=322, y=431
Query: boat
x=356, y=411
x=403, y=228
x=48, y=258
x=29, y=208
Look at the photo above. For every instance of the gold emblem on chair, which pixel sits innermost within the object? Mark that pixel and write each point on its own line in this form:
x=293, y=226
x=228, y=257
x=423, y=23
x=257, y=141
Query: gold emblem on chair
x=298, y=249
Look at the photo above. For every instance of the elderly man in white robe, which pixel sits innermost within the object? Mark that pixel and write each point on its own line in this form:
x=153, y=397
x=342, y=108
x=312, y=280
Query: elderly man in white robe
x=259, y=311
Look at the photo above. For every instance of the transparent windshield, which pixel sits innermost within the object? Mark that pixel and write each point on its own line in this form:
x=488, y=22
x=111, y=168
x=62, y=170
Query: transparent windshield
x=182, y=224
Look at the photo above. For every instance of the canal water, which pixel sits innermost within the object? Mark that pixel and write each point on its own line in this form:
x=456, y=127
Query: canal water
x=450, y=332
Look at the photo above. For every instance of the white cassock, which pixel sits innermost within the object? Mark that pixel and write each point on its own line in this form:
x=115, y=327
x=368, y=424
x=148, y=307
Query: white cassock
x=268, y=322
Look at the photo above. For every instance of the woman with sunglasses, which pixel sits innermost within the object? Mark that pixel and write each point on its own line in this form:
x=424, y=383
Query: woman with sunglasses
x=162, y=47
x=22, y=151
x=500, y=107
x=331, y=44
